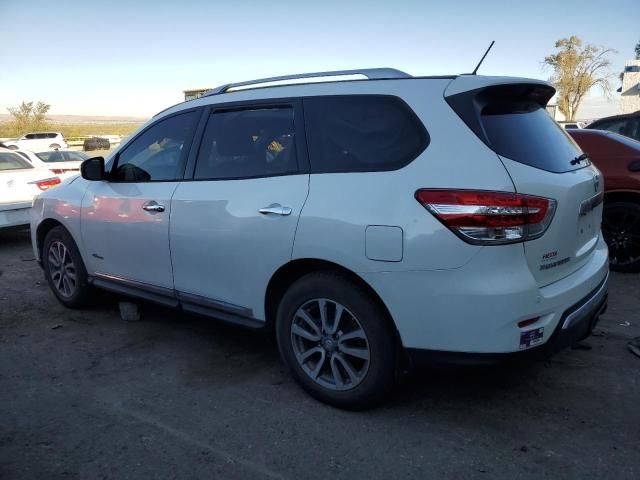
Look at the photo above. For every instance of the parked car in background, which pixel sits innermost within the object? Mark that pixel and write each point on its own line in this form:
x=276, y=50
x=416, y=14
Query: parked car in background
x=59, y=162
x=618, y=157
x=627, y=125
x=37, y=141
x=571, y=125
x=20, y=182
x=376, y=223
x=96, y=143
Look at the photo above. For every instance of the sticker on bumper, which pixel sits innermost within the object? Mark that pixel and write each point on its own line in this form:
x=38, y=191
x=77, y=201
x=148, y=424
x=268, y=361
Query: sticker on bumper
x=531, y=338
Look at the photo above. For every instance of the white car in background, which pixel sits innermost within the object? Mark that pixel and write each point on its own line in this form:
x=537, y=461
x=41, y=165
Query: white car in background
x=37, y=141
x=60, y=162
x=20, y=182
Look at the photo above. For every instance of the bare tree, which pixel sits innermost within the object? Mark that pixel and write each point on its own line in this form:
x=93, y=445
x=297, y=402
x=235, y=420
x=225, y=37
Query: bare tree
x=638, y=51
x=27, y=116
x=576, y=70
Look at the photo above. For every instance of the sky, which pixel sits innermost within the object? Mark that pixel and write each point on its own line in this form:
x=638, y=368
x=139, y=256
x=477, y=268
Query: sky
x=135, y=57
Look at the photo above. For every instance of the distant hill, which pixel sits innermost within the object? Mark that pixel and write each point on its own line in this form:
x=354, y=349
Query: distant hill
x=85, y=119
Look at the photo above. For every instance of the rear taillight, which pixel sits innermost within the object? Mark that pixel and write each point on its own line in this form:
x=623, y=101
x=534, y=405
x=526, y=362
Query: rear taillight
x=47, y=183
x=489, y=218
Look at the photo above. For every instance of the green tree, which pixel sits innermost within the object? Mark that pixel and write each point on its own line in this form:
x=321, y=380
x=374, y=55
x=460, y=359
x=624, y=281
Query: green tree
x=29, y=116
x=576, y=70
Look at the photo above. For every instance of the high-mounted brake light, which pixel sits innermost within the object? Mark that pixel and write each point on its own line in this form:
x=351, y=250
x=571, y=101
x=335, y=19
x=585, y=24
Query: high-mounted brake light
x=489, y=218
x=47, y=183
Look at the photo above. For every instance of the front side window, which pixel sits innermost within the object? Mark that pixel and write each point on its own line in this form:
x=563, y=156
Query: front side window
x=359, y=133
x=158, y=153
x=11, y=161
x=248, y=143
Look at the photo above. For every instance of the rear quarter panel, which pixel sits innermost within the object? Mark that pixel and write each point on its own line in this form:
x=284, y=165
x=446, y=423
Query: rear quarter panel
x=612, y=158
x=340, y=206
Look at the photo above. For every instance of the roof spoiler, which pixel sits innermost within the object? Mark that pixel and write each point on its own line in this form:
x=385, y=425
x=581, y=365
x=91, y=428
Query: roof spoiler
x=470, y=104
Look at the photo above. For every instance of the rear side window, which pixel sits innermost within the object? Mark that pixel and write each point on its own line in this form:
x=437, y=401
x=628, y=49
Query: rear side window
x=11, y=161
x=525, y=132
x=248, y=143
x=360, y=133
x=629, y=127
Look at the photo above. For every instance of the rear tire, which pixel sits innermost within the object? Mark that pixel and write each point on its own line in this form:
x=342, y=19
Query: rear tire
x=55, y=146
x=621, y=231
x=347, y=360
x=64, y=269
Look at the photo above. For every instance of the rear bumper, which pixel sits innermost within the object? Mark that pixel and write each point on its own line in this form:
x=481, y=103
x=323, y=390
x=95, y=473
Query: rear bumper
x=576, y=324
x=15, y=216
x=478, y=308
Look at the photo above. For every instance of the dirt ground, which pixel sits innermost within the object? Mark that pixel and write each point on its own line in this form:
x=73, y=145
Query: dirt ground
x=84, y=394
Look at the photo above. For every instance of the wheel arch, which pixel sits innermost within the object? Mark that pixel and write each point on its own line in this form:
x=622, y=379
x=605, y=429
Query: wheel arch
x=288, y=273
x=45, y=227
x=622, y=196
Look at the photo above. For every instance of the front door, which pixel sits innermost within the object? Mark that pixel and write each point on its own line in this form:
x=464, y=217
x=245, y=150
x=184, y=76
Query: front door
x=233, y=225
x=125, y=221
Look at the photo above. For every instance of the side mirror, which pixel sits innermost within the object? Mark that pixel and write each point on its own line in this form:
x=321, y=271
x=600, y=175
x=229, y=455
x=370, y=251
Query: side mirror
x=93, y=169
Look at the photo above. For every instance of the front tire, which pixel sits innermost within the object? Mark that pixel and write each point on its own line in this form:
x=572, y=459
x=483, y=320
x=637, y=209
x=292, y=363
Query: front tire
x=335, y=341
x=621, y=231
x=64, y=269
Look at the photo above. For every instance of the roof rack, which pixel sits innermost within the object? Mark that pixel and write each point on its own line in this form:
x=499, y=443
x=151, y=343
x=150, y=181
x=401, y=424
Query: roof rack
x=370, y=73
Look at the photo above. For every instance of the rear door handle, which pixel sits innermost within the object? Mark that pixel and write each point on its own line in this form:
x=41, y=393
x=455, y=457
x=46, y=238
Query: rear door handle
x=153, y=207
x=275, y=209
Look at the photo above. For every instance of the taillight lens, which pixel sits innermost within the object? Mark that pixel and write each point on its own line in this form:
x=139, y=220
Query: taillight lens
x=489, y=218
x=47, y=183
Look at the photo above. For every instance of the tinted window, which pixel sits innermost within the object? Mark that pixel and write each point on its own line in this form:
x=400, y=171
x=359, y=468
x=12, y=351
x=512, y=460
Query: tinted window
x=57, y=156
x=248, y=143
x=51, y=135
x=358, y=133
x=629, y=127
x=11, y=161
x=525, y=132
x=615, y=126
x=159, y=153
x=30, y=136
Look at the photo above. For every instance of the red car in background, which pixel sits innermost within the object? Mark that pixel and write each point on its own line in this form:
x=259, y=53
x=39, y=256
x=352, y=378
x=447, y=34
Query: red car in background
x=618, y=158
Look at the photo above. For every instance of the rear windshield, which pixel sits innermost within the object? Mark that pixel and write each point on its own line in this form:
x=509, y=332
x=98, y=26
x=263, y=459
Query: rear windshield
x=11, y=161
x=56, y=156
x=525, y=132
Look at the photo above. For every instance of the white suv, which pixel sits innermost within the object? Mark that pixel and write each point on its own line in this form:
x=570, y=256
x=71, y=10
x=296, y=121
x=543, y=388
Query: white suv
x=375, y=224
x=38, y=141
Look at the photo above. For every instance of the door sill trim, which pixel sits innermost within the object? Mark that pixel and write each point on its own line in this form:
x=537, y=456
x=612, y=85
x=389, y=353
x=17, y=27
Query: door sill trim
x=188, y=302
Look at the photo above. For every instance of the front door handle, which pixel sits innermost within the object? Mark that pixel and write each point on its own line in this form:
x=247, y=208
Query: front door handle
x=153, y=207
x=276, y=209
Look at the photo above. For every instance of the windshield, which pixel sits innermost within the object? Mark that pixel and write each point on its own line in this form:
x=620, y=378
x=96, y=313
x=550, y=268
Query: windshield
x=57, y=156
x=11, y=161
x=525, y=132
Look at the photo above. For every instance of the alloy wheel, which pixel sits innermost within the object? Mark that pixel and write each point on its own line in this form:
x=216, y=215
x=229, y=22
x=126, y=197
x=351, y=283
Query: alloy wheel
x=330, y=344
x=621, y=231
x=62, y=270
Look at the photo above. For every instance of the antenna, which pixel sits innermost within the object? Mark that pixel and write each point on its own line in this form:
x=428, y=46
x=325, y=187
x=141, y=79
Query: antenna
x=482, y=59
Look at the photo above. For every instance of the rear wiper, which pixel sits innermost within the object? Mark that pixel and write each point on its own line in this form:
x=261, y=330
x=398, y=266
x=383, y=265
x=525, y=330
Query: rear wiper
x=579, y=158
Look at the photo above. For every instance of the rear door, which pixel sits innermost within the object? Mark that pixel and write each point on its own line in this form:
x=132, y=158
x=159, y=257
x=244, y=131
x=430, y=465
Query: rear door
x=233, y=224
x=543, y=160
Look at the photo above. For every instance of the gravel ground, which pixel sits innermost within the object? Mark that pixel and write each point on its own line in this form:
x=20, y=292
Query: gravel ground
x=84, y=394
